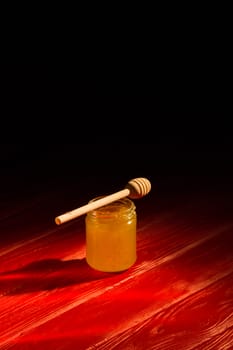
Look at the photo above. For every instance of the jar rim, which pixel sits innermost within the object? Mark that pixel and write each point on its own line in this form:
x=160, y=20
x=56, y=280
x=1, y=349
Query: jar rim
x=119, y=207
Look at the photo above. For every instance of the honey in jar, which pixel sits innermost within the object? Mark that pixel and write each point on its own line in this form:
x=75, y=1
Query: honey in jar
x=111, y=236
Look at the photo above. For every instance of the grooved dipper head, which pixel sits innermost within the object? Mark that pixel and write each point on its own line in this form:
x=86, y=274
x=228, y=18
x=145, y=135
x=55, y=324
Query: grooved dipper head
x=138, y=187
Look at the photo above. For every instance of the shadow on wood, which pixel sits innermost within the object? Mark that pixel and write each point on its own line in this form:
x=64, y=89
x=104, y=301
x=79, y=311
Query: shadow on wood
x=47, y=274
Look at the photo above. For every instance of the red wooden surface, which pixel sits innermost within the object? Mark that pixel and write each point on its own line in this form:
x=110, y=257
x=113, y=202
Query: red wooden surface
x=178, y=295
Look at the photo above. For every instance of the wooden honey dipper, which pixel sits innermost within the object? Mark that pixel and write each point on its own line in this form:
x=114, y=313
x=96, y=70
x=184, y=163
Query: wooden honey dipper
x=135, y=188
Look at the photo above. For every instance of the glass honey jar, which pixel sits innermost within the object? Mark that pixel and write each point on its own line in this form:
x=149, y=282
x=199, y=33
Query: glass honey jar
x=111, y=236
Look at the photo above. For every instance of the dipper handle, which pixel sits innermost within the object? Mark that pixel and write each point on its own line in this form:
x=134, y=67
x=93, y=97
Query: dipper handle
x=136, y=188
x=91, y=206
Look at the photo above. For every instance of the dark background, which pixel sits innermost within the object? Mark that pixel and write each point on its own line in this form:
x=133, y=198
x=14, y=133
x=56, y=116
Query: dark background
x=96, y=168
x=170, y=125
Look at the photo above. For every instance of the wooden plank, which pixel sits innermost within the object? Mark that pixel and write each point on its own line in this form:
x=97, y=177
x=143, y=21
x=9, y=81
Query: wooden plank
x=203, y=320
x=49, y=297
x=132, y=297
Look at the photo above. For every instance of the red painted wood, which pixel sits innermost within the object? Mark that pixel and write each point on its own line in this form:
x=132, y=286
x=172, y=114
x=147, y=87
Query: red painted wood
x=178, y=295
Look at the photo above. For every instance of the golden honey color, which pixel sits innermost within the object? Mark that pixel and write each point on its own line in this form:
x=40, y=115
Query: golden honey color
x=111, y=236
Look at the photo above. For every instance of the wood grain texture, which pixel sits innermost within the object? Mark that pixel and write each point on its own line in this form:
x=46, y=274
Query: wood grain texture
x=178, y=295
